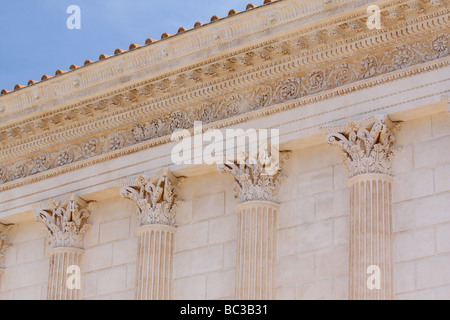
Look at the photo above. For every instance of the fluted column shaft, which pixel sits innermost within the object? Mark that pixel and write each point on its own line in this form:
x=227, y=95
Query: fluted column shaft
x=256, y=252
x=60, y=261
x=66, y=224
x=156, y=200
x=367, y=149
x=155, y=262
x=256, y=183
x=371, y=237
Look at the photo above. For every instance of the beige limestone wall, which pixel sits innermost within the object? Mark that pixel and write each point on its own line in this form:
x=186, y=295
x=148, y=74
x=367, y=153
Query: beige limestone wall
x=206, y=239
x=205, y=248
x=27, y=263
x=313, y=243
x=108, y=265
x=421, y=218
x=109, y=262
x=313, y=231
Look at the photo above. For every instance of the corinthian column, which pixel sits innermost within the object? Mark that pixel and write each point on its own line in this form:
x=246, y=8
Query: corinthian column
x=256, y=185
x=156, y=203
x=4, y=230
x=367, y=150
x=66, y=225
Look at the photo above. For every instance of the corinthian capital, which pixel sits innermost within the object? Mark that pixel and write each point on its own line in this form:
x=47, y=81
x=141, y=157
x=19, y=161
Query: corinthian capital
x=367, y=145
x=256, y=179
x=65, y=221
x=155, y=197
x=4, y=229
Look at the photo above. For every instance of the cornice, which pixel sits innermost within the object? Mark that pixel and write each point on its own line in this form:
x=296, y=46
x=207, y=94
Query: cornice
x=174, y=48
x=374, y=82
x=116, y=127
x=77, y=82
x=180, y=97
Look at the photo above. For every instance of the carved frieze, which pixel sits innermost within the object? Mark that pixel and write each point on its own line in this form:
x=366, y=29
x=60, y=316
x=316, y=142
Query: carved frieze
x=288, y=89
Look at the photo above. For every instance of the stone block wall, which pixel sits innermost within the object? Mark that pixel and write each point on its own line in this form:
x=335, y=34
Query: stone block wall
x=421, y=219
x=313, y=231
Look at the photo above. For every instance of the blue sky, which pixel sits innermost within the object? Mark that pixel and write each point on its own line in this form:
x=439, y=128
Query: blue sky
x=35, y=39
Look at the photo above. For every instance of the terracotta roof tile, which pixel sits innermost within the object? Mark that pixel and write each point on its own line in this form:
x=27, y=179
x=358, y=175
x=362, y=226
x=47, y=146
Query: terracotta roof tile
x=59, y=71
x=198, y=24
x=215, y=18
x=132, y=46
x=118, y=51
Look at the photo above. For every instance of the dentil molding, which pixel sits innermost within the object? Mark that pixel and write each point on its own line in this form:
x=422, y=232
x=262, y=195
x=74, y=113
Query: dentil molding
x=337, y=66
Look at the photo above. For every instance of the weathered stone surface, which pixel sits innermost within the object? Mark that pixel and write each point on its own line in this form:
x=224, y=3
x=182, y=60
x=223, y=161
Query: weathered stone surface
x=296, y=66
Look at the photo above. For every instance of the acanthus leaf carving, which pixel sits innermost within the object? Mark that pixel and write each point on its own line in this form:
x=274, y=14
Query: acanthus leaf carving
x=65, y=221
x=155, y=197
x=256, y=179
x=367, y=146
x=4, y=244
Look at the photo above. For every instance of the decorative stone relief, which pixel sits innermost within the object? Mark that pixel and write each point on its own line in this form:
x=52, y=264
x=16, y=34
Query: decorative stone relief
x=237, y=103
x=155, y=197
x=256, y=179
x=367, y=148
x=65, y=221
x=367, y=145
x=4, y=229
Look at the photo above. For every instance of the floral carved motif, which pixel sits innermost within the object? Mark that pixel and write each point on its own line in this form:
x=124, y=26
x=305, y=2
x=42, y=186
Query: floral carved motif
x=154, y=196
x=288, y=89
x=367, y=146
x=64, y=221
x=256, y=179
x=4, y=230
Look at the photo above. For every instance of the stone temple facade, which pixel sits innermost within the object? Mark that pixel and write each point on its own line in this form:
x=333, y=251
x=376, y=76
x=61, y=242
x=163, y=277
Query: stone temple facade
x=93, y=206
